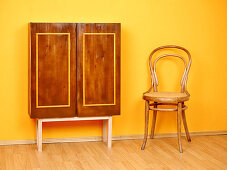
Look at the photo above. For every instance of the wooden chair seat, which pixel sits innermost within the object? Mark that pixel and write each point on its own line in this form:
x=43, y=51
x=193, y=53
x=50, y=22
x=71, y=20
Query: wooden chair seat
x=166, y=96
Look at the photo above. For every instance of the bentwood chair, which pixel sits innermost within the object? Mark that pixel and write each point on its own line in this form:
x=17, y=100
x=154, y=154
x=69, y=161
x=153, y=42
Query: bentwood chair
x=155, y=98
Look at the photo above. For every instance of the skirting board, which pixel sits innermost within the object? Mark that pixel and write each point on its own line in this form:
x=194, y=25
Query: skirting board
x=99, y=138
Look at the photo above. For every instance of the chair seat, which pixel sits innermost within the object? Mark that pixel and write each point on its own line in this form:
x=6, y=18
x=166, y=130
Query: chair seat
x=166, y=96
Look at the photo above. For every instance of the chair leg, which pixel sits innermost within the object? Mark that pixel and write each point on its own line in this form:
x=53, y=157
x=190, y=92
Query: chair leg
x=179, y=112
x=146, y=124
x=153, y=122
x=185, y=125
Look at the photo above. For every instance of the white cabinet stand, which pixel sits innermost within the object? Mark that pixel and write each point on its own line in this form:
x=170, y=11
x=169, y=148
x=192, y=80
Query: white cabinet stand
x=107, y=121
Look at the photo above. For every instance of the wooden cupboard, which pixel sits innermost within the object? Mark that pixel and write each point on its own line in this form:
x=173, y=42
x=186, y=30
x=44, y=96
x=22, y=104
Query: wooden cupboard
x=74, y=69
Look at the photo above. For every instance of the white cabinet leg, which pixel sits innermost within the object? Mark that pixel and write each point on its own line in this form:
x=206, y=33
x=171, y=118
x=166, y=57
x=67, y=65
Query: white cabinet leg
x=37, y=141
x=39, y=135
x=110, y=132
x=107, y=128
x=104, y=130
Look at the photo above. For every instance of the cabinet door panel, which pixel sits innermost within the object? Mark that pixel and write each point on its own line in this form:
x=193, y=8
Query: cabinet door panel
x=53, y=70
x=98, y=74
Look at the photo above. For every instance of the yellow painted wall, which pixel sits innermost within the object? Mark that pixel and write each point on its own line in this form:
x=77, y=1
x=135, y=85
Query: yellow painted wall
x=198, y=25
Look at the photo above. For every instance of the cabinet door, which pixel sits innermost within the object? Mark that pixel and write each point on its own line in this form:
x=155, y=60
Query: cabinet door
x=52, y=70
x=98, y=69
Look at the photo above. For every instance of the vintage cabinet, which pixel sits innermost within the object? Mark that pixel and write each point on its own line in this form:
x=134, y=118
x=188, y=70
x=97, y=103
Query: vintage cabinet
x=74, y=69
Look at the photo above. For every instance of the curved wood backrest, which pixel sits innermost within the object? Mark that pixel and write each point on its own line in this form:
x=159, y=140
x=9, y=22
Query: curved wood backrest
x=154, y=80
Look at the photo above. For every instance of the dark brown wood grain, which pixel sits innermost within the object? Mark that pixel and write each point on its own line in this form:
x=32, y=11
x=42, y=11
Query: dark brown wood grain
x=94, y=70
x=99, y=69
x=53, y=70
x=95, y=52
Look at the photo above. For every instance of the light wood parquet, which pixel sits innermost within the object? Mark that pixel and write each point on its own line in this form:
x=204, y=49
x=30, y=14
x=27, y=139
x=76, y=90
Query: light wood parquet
x=204, y=152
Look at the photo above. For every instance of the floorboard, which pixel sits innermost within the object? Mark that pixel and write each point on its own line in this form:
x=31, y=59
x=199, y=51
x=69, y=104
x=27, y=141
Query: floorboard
x=204, y=152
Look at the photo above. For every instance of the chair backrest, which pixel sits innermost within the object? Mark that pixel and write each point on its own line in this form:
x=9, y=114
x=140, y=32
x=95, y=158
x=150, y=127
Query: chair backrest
x=154, y=80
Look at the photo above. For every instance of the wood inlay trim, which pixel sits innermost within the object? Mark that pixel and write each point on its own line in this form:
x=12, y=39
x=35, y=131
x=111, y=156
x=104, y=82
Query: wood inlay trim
x=37, y=69
x=84, y=87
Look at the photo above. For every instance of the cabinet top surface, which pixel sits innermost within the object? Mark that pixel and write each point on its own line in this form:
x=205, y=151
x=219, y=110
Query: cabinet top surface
x=74, y=22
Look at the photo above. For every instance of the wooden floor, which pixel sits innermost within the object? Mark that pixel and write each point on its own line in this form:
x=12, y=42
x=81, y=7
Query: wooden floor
x=204, y=152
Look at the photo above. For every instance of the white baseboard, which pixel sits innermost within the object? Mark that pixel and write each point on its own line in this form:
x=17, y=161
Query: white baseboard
x=99, y=138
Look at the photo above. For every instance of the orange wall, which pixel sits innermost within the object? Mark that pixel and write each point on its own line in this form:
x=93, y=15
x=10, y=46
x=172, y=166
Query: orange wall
x=200, y=26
